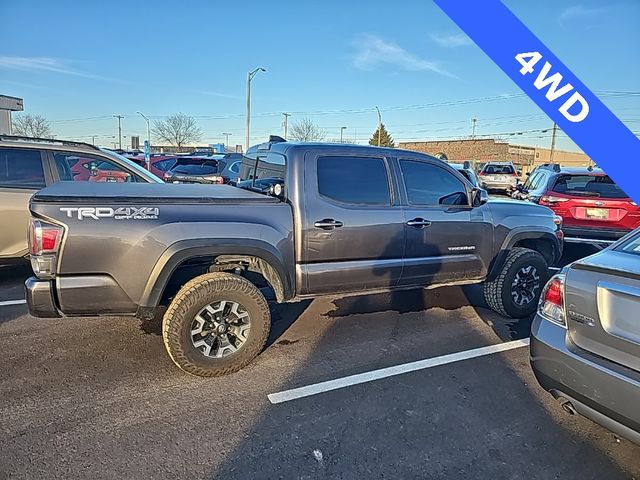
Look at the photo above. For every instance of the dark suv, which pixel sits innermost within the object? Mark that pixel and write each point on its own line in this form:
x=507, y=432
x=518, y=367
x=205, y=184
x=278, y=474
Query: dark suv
x=29, y=164
x=593, y=208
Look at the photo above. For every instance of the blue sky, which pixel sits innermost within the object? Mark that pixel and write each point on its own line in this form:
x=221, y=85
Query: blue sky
x=78, y=63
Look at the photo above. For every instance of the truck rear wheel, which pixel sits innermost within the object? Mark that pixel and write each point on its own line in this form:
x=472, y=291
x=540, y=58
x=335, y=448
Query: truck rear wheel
x=216, y=324
x=516, y=290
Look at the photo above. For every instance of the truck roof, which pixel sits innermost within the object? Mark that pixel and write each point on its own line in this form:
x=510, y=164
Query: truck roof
x=290, y=147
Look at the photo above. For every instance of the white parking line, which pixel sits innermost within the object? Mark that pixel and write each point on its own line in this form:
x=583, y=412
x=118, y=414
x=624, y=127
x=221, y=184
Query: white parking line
x=316, y=388
x=12, y=302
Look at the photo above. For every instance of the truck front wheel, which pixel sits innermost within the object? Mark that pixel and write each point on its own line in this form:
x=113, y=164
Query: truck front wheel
x=216, y=324
x=516, y=290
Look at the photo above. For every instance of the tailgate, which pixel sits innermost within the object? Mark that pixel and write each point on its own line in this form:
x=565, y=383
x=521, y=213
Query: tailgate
x=603, y=306
x=606, y=213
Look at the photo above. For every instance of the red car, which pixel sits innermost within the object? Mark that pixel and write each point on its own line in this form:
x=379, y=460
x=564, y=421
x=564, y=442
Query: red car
x=159, y=163
x=593, y=208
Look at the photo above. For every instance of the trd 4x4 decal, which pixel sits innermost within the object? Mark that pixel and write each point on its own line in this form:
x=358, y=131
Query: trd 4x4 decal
x=120, y=213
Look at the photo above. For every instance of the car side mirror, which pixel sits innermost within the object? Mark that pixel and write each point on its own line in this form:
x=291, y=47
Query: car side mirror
x=480, y=197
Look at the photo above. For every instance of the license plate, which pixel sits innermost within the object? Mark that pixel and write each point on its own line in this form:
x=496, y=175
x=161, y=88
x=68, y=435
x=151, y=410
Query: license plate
x=597, y=213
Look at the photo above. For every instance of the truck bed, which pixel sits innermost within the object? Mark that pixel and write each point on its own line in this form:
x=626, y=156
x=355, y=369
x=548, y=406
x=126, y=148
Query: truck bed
x=156, y=193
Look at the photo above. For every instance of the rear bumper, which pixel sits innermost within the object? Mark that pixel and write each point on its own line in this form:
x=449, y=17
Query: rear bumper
x=597, y=389
x=40, y=298
x=497, y=185
x=590, y=235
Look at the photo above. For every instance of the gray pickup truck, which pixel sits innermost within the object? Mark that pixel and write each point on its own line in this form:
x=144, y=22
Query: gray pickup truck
x=334, y=220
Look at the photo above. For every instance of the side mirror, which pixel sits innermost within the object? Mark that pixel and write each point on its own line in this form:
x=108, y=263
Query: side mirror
x=480, y=197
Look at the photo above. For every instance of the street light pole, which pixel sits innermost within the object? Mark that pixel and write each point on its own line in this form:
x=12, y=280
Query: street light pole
x=119, y=117
x=148, y=127
x=342, y=129
x=379, y=125
x=227, y=140
x=286, y=123
x=250, y=76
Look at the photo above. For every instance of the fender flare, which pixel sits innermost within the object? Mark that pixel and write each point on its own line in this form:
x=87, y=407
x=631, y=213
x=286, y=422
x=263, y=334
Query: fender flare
x=516, y=235
x=184, y=250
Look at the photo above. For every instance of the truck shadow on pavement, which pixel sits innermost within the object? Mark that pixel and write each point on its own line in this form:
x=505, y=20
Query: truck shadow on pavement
x=447, y=298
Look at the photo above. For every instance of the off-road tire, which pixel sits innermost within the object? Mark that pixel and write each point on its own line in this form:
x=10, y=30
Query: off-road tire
x=497, y=292
x=194, y=296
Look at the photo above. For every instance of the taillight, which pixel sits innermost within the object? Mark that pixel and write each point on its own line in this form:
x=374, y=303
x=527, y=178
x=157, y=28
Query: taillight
x=44, y=243
x=215, y=179
x=551, y=305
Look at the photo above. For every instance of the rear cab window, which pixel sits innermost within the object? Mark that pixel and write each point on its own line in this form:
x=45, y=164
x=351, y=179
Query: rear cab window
x=21, y=168
x=270, y=167
x=600, y=186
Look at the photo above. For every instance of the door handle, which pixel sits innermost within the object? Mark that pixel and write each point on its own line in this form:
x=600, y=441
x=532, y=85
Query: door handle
x=419, y=223
x=327, y=224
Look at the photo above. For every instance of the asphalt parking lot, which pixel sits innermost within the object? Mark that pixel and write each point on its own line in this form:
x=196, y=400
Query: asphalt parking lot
x=99, y=398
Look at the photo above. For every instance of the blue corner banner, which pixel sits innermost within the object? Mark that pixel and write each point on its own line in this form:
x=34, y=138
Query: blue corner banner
x=554, y=88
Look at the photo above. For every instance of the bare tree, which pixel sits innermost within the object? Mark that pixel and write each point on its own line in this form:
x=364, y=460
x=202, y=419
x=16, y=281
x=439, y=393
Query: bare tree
x=28, y=125
x=177, y=129
x=306, y=131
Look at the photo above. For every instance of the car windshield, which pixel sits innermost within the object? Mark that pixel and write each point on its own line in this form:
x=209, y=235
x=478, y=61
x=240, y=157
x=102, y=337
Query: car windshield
x=132, y=165
x=600, y=186
x=498, y=169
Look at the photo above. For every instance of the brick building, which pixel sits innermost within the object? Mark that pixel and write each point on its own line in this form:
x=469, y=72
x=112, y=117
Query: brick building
x=485, y=150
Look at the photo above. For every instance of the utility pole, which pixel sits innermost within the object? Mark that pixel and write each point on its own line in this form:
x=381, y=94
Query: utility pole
x=286, y=123
x=342, y=129
x=250, y=76
x=119, y=117
x=473, y=127
x=553, y=142
x=226, y=142
x=379, y=125
x=93, y=140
